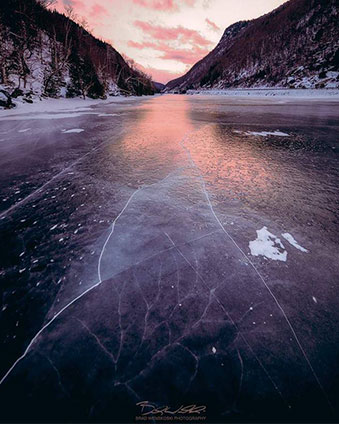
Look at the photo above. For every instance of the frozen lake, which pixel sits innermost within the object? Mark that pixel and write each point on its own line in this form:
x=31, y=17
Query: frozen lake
x=177, y=250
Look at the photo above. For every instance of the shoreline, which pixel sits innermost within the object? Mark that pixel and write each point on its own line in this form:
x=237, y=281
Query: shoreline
x=331, y=94
x=49, y=105
x=271, y=95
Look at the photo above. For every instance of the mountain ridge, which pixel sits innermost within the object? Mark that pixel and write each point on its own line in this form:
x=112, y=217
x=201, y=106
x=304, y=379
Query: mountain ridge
x=294, y=46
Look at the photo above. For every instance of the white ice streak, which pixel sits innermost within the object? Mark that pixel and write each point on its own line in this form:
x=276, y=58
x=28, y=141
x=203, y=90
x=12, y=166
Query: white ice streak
x=268, y=245
x=276, y=133
x=293, y=242
x=54, y=115
x=51, y=115
x=111, y=233
x=107, y=114
x=266, y=133
x=24, y=130
x=73, y=131
x=30, y=117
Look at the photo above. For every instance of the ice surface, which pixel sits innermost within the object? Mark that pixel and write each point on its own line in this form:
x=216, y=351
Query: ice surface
x=145, y=270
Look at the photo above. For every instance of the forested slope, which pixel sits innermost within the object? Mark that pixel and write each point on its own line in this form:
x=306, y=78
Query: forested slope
x=294, y=46
x=45, y=53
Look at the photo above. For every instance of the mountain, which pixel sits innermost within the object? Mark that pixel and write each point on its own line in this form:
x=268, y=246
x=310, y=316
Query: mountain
x=294, y=46
x=45, y=53
x=159, y=86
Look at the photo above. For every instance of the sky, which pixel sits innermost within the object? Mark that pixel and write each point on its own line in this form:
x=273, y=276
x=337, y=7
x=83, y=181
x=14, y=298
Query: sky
x=164, y=37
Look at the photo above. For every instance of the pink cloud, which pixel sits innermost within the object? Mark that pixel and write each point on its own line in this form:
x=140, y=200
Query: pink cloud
x=168, y=43
x=186, y=56
x=166, y=39
x=212, y=25
x=98, y=10
x=180, y=33
x=143, y=45
x=165, y=5
x=157, y=4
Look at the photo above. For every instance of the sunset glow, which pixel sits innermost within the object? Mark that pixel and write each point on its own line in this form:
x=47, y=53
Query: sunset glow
x=164, y=37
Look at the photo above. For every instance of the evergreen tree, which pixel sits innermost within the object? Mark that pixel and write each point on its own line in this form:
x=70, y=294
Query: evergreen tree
x=74, y=85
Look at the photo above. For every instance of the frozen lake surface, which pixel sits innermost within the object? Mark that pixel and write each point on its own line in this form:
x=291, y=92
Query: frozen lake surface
x=177, y=250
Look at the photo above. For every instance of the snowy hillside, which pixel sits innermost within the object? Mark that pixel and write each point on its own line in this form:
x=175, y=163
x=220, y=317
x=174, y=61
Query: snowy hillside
x=44, y=53
x=294, y=46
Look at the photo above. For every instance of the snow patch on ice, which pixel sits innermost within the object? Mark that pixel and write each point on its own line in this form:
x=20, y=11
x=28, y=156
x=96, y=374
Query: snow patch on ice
x=58, y=108
x=108, y=114
x=30, y=117
x=266, y=133
x=268, y=245
x=276, y=133
x=24, y=130
x=293, y=242
x=73, y=131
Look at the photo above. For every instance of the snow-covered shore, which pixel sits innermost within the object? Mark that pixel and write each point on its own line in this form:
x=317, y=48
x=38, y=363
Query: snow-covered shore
x=318, y=94
x=48, y=105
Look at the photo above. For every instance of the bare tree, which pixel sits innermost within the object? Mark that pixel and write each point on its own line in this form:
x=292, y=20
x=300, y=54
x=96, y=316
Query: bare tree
x=47, y=3
x=6, y=49
x=60, y=54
